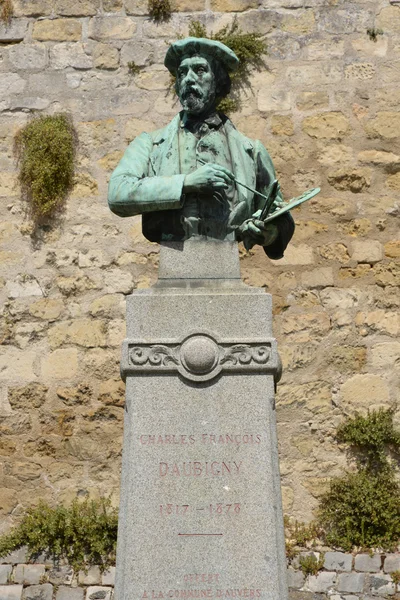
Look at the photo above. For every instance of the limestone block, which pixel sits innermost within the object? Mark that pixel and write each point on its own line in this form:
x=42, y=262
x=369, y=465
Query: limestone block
x=61, y=574
x=16, y=364
x=347, y=358
x=60, y=364
x=26, y=397
x=364, y=251
x=92, y=593
x=295, y=579
x=385, y=125
x=107, y=306
x=140, y=52
x=382, y=585
x=76, y=8
x=360, y=71
x=108, y=577
x=282, y=125
x=11, y=83
x=34, y=592
x=392, y=563
x=29, y=574
x=353, y=180
x=188, y=5
x=100, y=363
x=111, y=160
x=153, y=80
x=118, y=281
x=8, y=181
x=86, y=332
x=15, y=557
x=299, y=24
x=378, y=157
x=306, y=326
x=8, y=502
x=136, y=7
x=365, y=47
x=312, y=100
x=338, y=561
x=176, y=25
x=57, y=30
x=307, y=75
x=360, y=392
x=392, y=249
x=75, y=395
x=329, y=125
x=337, y=252
x=271, y=100
x=15, y=32
x=32, y=8
x=349, y=19
x=112, y=28
x=28, y=56
x=387, y=274
x=233, y=5
x=322, y=582
x=116, y=332
x=84, y=186
x=112, y=392
x=297, y=255
x=93, y=258
x=70, y=55
x=351, y=582
x=91, y=577
x=379, y=320
x=68, y=593
x=105, y=57
x=321, y=51
x=384, y=356
x=367, y=563
x=5, y=574
x=318, y=278
x=112, y=5
x=23, y=287
x=389, y=19
x=393, y=182
x=48, y=309
x=70, y=286
x=11, y=592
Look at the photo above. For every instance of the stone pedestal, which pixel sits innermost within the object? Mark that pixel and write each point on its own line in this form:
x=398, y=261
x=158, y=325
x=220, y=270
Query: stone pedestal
x=201, y=513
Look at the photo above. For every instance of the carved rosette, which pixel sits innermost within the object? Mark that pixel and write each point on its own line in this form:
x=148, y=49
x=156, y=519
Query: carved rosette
x=200, y=357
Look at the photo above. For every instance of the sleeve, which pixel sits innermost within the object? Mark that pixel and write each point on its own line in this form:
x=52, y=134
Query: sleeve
x=132, y=192
x=285, y=223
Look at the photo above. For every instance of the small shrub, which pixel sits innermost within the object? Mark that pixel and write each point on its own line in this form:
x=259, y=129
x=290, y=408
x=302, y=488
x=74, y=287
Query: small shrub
x=84, y=533
x=311, y=565
x=6, y=11
x=396, y=579
x=160, y=10
x=363, y=507
x=249, y=48
x=45, y=150
x=133, y=68
x=373, y=33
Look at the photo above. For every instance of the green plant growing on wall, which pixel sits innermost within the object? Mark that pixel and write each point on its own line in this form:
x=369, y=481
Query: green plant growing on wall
x=84, y=533
x=396, y=580
x=6, y=11
x=160, y=10
x=311, y=565
x=249, y=48
x=362, y=508
x=373, y=33
x=45, y=151
x=133, y=68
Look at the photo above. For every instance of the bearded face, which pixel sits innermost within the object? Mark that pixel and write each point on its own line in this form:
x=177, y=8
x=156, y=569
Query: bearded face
x=196, y=86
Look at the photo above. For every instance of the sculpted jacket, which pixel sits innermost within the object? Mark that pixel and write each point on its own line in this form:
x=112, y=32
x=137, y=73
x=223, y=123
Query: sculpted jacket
x=149, y=181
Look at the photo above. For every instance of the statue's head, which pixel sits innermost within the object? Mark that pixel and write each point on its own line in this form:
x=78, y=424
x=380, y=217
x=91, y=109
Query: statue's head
x=202, y=69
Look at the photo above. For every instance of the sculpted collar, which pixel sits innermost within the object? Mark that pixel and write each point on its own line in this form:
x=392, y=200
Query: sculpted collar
x=213, y=120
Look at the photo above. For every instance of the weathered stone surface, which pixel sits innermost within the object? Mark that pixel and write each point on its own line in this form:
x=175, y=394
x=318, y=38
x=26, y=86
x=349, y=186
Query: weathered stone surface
x=93, y=593
x=306, y=75
x=105, y=57
x=108, y=577
x=379, y=320
x=5, y=574
x=336, y=252
x=382, y=585
x=351, y=582
x=387, y=274
x=57, y=30
x=38, y=592
x=367, y=563
x=385, y=355
x=76, y=8
x=385, y=125
x=300, y=24
x=392, y=249
x=319, y=278
x=232, y=5
x=189, y=5
x=393, y=182
x=312, y=100
x=88, y=333
x=48, y=309
x=111, y=28
x=282, y=125
x=27, y=397
x=60, y=364
x=11, y=592
x=347, y=358
x=32, y=8
x=379, y=157
x=70, y=55
x=338, y=561
x=322, y=582
x=14, y=32
x=91, y=577
x=29, y=574
x=360, y=392
x=354, y=180
x=306, y=326
x=16, y=557
x=331, y=125
x=367, y=252
x=28, y=56
x=73, y=395
x=112, y=392
x=16, y=365
x=136, y=7
x=68, y=593
x=360, y=71
x=389, y=19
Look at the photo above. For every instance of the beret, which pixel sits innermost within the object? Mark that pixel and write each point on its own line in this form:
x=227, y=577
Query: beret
x=204, y=47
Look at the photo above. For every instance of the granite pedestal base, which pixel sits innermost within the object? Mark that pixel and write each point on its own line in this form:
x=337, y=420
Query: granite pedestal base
x=201, y=513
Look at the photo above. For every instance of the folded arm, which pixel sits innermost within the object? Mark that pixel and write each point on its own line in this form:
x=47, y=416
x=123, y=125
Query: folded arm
x=132, y=192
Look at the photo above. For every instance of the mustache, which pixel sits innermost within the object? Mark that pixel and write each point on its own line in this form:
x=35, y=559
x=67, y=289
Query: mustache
x=191, y=91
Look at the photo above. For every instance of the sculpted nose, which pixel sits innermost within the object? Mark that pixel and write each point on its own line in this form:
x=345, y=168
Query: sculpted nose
x=190, y=77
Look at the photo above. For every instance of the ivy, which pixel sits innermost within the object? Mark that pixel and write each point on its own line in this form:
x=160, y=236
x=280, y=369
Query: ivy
x=45, y=150
x=84, y=534
x=160, y=10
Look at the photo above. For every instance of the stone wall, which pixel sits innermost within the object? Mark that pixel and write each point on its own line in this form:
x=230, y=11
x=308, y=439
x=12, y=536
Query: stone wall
x=326, y=107
x=342, y=577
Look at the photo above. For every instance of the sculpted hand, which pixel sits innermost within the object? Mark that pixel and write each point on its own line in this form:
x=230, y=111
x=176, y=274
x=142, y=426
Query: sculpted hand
x=253, y=232
x=207, y=178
